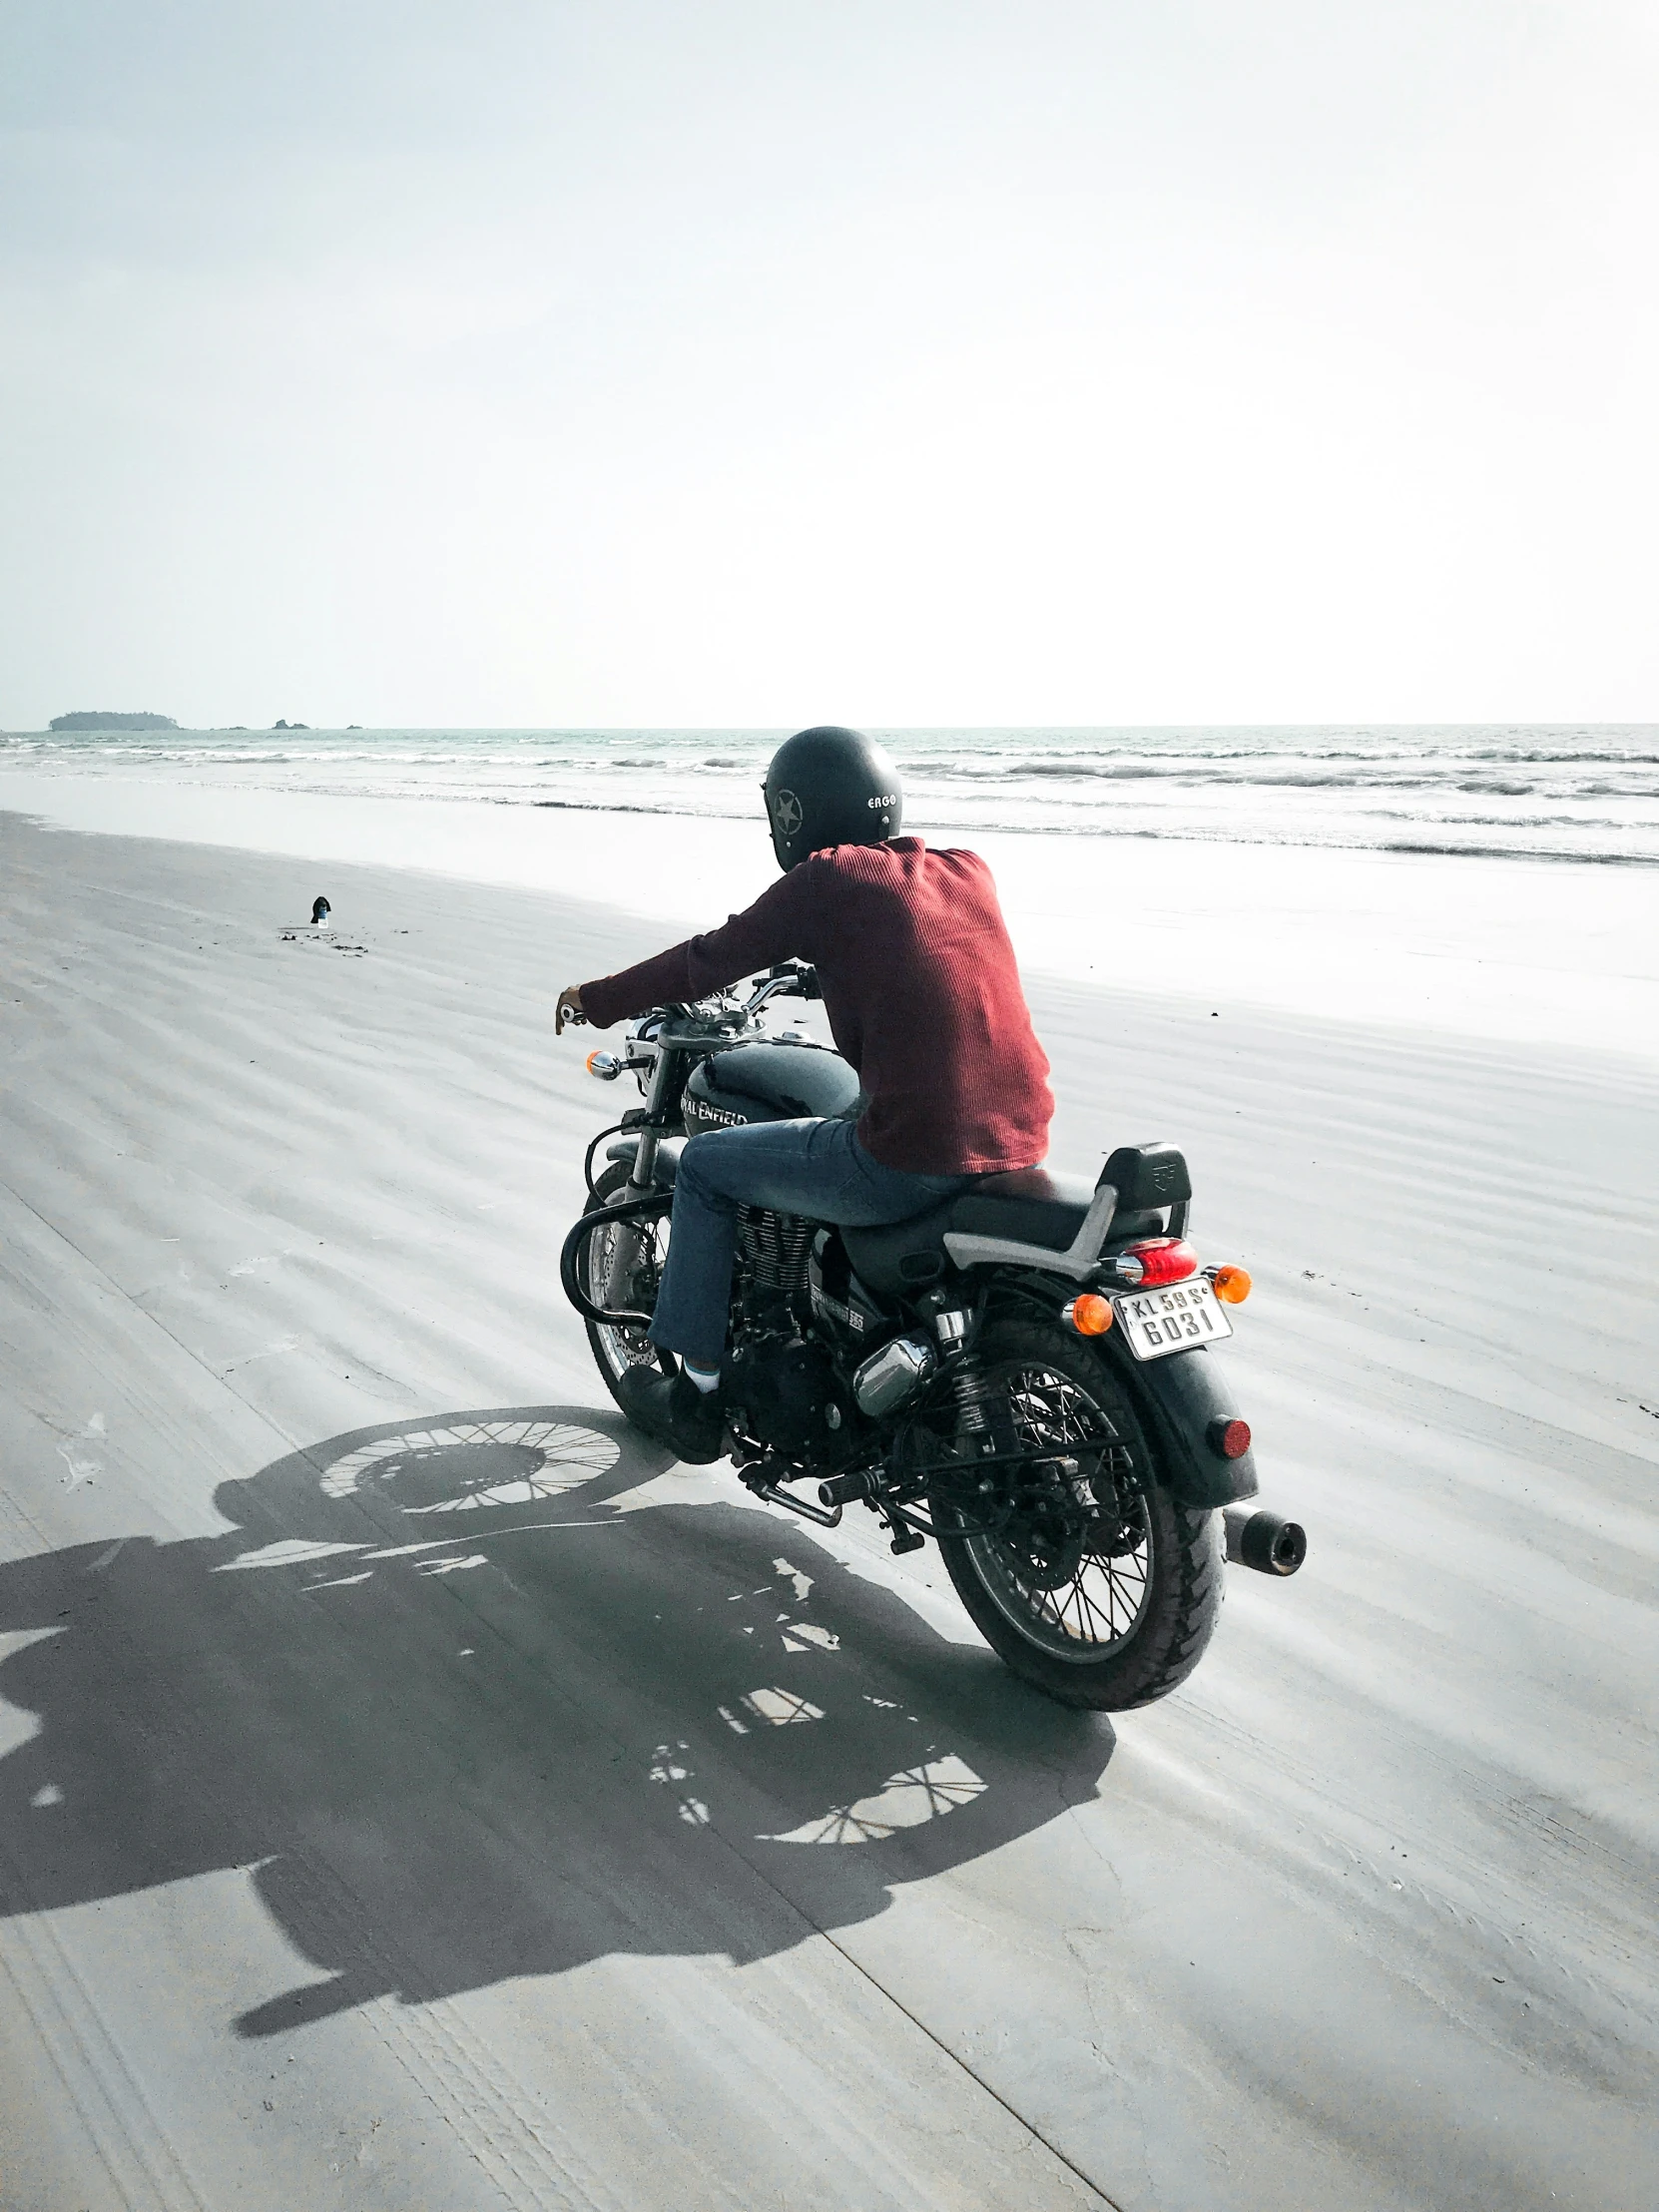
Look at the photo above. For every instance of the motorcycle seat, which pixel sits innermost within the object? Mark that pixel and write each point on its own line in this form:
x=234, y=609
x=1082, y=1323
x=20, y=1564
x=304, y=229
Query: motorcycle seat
x=1028, y=1206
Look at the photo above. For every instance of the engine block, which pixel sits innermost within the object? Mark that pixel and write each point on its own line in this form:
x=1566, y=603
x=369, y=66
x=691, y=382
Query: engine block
x=772, y=1249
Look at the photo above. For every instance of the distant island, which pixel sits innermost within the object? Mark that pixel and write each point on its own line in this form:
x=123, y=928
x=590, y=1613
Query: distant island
x=290, y=725
x=102, y=721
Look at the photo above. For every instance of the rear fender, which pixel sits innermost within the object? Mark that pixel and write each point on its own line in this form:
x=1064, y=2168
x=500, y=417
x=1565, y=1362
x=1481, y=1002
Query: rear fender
x=1178, y=1399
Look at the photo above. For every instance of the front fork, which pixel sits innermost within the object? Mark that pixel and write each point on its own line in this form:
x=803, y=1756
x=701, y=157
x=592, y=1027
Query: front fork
x=628, y=1242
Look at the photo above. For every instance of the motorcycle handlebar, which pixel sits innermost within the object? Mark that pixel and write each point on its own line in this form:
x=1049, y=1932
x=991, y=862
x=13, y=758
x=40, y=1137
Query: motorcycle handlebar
x=800, y=978
x=790, y=979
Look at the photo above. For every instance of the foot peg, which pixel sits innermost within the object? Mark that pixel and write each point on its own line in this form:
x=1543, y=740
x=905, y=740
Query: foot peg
x=846, y=1489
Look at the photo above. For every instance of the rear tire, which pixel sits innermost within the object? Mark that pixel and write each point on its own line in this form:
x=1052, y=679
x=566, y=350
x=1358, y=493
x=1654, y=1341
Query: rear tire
x=615, y=1351
x=1107, y=1615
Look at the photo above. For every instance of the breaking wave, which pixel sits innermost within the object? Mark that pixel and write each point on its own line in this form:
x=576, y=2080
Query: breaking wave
x=1554, y=791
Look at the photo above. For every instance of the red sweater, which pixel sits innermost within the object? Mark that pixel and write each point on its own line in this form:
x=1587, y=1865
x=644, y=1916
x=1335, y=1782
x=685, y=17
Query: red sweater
x=921, y=986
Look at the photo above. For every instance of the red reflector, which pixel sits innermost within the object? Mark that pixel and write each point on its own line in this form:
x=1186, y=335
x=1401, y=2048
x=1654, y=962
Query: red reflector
x=1164, y=1259
x=1230, y=1438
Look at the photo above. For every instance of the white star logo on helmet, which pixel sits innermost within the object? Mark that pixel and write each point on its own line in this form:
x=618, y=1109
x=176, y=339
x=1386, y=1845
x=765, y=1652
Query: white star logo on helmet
x=787, y=813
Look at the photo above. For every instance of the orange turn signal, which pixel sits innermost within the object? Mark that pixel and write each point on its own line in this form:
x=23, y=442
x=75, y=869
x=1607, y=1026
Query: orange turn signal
x=1090, y=1315
x=1232, y=1285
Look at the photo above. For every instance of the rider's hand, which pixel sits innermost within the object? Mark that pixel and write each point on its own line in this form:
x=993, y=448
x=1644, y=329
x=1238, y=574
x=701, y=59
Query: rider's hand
x=569, y=1009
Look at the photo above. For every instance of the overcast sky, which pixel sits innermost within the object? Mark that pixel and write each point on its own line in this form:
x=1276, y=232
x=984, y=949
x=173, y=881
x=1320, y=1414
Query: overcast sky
x=768, y=362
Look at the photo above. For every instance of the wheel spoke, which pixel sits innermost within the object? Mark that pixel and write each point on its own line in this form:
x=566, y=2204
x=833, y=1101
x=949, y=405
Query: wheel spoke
x=1074, y=1605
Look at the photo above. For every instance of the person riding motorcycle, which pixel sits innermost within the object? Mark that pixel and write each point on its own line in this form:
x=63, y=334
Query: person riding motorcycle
x=924, y=996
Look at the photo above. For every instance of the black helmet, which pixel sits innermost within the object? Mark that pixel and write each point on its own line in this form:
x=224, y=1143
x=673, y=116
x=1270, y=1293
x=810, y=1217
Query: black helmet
x=830, y=787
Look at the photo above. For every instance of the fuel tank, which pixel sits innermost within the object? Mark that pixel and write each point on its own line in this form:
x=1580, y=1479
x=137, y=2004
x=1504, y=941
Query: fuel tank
x=767, y=1082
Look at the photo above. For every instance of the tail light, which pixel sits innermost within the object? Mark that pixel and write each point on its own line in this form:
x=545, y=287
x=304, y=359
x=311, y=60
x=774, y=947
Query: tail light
x=1228, y=1439
x=1160, y=1260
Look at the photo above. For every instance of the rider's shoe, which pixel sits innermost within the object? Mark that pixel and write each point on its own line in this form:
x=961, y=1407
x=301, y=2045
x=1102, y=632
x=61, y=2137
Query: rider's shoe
x=675, y=1412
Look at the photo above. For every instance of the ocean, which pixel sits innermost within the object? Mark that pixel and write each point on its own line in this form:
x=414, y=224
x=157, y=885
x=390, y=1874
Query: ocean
x=1549, y=792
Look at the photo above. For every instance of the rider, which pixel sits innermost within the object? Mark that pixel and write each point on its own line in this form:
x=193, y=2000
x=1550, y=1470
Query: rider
x=924, y=1000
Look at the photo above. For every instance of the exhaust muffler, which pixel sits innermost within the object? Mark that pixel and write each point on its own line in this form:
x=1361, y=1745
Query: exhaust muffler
x=1265, y=1541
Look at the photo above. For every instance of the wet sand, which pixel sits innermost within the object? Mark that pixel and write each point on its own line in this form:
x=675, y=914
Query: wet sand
x=414, y=1792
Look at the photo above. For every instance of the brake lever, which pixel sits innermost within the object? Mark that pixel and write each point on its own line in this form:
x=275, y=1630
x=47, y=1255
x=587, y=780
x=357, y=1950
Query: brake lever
x=799, y=974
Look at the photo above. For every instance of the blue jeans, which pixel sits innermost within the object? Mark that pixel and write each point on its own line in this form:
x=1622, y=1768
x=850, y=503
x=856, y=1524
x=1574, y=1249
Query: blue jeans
x=817, y=1169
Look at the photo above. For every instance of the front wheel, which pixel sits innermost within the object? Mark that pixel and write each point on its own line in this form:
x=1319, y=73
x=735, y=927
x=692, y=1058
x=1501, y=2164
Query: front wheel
x=1097, y=1587
x=619, y=1266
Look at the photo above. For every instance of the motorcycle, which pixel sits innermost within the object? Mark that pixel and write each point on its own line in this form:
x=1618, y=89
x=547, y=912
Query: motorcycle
x=1022, y=1373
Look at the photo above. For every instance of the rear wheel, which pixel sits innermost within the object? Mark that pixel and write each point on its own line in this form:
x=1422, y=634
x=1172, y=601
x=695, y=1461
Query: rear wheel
x=1098, y=1588
x=619, y=1266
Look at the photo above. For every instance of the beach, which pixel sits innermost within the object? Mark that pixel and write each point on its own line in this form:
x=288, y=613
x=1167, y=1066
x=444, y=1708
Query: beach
x=377, y=1831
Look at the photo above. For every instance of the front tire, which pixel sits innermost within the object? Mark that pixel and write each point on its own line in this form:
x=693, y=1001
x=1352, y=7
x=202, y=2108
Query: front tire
x=616, y=1351
x=1101, y=1590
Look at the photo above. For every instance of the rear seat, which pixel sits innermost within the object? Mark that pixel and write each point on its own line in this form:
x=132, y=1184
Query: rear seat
x=1028, y=1206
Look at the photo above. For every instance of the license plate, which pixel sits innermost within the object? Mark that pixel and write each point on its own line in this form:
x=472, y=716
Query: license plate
x=1157, y=1323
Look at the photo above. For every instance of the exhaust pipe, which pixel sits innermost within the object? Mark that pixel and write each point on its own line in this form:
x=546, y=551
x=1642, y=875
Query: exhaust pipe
x=1265, y=1541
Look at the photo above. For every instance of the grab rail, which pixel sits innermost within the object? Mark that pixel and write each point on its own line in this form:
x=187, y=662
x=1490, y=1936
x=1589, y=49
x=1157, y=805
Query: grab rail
x=1078, y=1261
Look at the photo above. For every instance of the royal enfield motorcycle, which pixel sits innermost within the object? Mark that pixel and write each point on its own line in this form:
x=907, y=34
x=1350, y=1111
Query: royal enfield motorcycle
x=1023, y=1373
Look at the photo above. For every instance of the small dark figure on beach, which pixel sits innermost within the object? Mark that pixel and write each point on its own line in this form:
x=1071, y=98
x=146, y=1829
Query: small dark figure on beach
x=320, y=911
